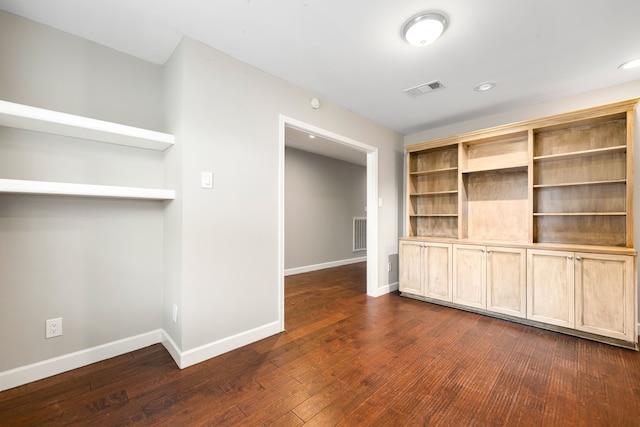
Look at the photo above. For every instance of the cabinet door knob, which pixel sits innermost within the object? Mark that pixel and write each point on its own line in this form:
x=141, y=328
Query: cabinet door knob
x=488, y=251
x=569, y=257
x=578, y=258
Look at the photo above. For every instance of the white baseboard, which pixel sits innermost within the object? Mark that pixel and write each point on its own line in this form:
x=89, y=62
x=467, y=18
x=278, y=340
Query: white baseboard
x=391, y=287
x=196, y=355
x=57, y=365
x=314, y=267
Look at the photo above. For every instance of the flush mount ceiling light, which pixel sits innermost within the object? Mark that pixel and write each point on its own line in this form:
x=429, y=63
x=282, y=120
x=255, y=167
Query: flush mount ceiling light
x=424, y=29
x=485, y=86
x=634, y=63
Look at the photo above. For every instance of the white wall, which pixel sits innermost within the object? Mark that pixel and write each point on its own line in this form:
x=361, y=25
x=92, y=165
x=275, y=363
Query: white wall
x=95, y=263
x=226, y=117
x=322, y=195
x=586, y=100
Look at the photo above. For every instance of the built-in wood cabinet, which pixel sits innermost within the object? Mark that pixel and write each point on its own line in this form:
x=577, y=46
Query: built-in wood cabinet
x=550, y=287
x=507, y=281
x=605, y=295
x=470, y=275
x=523, y=206
x=426, y=269
x=433, y=192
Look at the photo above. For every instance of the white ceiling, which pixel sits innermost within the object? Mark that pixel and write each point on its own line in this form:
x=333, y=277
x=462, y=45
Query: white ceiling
x=350, y=52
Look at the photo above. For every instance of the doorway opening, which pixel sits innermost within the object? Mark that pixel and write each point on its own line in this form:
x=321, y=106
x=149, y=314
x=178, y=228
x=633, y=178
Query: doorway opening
x=332, y=145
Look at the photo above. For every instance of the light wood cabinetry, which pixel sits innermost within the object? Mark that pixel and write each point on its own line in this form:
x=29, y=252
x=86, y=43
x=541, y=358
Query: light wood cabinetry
x=491, y=278
x=606, y=295
x=550, y=281
x=433, y=192
x=507, y=281
x=534, y=196
x=470, y=275
x=425, y=269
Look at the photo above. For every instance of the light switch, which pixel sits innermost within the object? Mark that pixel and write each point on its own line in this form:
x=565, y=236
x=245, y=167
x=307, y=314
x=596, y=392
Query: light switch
x=207, y=179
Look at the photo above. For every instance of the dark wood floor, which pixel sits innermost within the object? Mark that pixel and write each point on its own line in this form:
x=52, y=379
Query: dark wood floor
x=350, y=360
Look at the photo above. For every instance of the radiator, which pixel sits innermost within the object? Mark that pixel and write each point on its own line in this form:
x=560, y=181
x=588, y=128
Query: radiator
x=359, y=234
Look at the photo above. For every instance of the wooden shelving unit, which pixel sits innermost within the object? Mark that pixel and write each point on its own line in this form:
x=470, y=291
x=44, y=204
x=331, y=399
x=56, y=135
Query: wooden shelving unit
x=53, y=122
x=554, y=195
x=433, y=195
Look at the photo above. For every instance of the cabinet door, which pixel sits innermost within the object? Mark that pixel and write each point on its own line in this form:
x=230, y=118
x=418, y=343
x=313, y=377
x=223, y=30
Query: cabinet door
x=507, y=281
x=437, y=273
x=605, y=295
x=469, y=275
x=411, y=263
x=550, y=297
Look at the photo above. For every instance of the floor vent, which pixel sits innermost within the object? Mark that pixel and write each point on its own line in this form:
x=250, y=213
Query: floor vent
x=359, y=234
x=424, y=88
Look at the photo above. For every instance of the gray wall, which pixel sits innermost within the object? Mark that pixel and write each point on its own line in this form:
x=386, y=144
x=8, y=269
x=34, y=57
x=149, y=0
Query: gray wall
x=113, y=268
x=95, y=263
x=222, y=258
x=322, y=195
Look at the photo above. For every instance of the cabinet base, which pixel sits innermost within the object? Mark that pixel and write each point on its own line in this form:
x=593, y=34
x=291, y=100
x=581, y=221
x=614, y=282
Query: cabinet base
x=539, y=325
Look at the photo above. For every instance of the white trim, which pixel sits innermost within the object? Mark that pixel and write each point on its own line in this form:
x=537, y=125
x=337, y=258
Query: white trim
x=372, y=201
x=54, y=122
x=391, y=287
x=322, y=266
x=19, y=186
x=216, y=348
x=57, y=365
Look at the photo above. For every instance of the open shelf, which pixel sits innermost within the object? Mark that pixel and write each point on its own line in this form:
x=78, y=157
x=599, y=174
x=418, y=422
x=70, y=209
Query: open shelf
x=435, y=215
x=434, y=171
x=583, y=153
x=433, y=193
x=17, y=186
x=577, y=184
x=520, y=166
x=54, y=122
x=579, y=214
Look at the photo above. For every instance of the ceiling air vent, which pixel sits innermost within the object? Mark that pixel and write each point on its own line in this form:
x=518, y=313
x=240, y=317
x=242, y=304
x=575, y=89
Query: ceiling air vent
x=424, y=88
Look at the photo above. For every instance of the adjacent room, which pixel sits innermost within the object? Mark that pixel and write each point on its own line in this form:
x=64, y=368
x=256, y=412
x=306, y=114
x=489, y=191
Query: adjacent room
x=319, y=213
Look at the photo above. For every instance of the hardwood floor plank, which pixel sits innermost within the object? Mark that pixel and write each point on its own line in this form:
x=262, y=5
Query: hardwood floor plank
x=350, y=360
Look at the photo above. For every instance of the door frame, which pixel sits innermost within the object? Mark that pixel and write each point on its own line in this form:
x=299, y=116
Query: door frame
x=372, y=202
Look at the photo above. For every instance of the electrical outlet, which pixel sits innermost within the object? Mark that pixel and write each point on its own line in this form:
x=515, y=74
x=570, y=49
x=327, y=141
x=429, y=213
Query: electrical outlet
x=175, y=313
x=388, y=266
x=53, y=328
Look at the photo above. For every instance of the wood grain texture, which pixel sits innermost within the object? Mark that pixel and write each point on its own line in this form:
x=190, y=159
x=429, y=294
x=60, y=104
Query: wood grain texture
x=350, y=360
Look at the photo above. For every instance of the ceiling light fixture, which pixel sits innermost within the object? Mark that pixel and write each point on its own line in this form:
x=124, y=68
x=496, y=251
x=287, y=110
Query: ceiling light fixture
x=485, y=86
x=424, y=28
x=634, y=63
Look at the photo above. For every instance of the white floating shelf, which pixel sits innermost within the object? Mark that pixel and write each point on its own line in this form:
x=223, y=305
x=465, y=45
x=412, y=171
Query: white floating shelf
x=17, y=186
x=41, y=120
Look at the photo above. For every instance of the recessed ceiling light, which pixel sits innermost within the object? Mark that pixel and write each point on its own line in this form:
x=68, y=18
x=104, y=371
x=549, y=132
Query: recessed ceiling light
x=634, y=63
x=312, y=136
x=485, y=86
x=424, y=28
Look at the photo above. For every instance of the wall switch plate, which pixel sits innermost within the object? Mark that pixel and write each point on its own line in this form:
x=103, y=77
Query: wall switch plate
x=207, y=179
x=174, y=313
x=53, y=328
